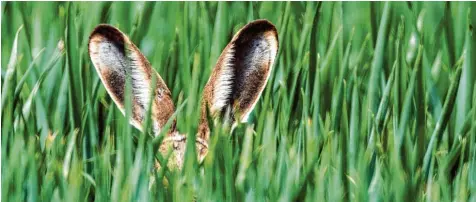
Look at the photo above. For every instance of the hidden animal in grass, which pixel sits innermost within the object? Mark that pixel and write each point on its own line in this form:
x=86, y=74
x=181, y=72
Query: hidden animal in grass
x=235, y=84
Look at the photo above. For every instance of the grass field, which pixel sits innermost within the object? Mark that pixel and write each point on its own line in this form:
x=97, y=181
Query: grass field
x=366, y=102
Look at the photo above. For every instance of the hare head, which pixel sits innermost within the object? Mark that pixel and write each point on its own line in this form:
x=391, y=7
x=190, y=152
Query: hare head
x=236, y=82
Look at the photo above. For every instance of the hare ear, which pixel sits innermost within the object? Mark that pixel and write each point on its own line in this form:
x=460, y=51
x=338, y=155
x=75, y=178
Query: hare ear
x=115, y=57
x=241, y=72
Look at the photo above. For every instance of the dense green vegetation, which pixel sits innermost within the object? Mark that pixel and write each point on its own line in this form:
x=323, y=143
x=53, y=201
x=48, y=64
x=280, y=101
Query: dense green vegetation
x=366, y=101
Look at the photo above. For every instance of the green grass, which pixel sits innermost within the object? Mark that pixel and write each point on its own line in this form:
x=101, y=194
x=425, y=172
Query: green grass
x=366, y=102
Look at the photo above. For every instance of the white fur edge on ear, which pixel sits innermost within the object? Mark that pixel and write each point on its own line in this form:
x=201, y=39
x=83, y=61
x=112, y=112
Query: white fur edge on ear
x=273, y=51
x=224, y=83
x=141, y=86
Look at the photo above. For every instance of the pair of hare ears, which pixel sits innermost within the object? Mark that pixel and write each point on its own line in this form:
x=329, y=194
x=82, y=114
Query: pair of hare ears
x=236, y=82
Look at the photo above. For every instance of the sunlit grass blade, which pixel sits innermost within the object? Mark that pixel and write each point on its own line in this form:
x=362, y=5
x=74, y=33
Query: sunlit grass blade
x=10, y=68
x=377, y=61
x=443, y=120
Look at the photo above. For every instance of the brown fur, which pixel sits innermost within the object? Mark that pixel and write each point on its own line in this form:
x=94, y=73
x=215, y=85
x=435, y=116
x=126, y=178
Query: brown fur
x=248, y=82
x=246, y=89
x=114, y=81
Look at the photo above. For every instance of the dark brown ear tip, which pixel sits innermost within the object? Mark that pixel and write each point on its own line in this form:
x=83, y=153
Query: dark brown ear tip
x=264, y=24
x=261, y=25
x=105, y=32
x=258, y=27
x=108, y=32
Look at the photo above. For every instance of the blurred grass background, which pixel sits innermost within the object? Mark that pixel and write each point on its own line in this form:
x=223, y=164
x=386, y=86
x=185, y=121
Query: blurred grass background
x=366, y=102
